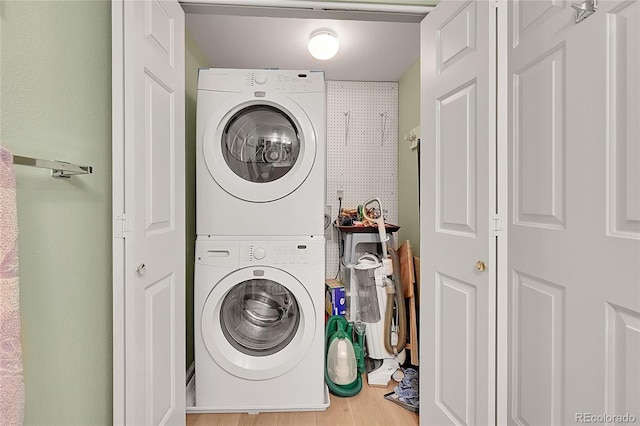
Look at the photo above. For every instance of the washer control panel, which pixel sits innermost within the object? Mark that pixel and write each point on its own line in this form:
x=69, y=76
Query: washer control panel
x=232, y=254
x=277, y=254
x=282, y=252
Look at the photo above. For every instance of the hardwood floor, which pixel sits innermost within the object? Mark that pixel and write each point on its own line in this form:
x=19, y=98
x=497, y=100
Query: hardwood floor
x=368, y=408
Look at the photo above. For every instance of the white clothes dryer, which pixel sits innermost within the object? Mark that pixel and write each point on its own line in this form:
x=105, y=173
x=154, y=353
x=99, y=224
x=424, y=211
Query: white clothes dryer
x=261, y=152
x=259, y=325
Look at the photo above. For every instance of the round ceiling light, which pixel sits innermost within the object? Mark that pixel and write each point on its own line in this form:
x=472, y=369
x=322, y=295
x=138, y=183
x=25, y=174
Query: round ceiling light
x=323, y=44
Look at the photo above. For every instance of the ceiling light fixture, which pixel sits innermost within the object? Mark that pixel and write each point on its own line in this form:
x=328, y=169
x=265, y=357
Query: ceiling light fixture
x=323, y=44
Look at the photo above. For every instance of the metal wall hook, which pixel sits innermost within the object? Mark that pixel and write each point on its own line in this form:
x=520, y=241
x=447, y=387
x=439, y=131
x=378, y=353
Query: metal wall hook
x=585, y=9
x=347, y=123
x=383, y=127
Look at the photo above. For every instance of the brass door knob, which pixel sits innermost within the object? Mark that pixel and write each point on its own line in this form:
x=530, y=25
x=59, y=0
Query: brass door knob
x=481, y=266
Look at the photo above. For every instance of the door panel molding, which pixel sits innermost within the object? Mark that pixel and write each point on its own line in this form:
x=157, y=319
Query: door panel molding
x=622, y=369
x=456, y=164
x=529, y=16
x=160, y=205
x=539, y=141
x=159, y=300
x=456, y=317
x=456, y=38
x=538, y=358
x=623, y=135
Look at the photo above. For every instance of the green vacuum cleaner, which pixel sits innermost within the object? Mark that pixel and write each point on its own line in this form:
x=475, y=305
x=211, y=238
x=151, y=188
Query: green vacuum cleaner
x=344, y=358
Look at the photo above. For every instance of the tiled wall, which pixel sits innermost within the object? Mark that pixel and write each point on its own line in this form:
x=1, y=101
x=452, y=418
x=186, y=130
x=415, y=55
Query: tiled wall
x=362, y=150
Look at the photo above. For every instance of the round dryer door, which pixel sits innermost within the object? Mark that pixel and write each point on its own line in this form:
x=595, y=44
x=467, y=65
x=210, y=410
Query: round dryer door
x=258, y=322
x=259, y=150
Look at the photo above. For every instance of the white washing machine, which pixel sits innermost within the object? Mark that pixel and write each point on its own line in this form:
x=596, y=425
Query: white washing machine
x=261, y=152
x=259, y=325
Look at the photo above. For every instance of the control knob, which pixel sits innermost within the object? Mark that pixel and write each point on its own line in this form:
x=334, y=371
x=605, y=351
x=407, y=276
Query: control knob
x=260, y=79
x=259, y=253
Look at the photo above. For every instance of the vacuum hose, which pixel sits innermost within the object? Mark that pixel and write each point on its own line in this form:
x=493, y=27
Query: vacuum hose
x=398, y=298
x=336, y=326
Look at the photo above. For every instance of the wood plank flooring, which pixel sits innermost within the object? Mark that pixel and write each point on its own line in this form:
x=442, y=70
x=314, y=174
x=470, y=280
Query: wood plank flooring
x=368, y=408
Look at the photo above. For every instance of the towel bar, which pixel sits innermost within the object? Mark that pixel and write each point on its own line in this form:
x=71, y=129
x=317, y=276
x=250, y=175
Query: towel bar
x=58, y=168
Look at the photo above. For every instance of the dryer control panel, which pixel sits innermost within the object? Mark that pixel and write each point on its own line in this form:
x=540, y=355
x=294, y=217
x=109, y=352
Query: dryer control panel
x=279, y=81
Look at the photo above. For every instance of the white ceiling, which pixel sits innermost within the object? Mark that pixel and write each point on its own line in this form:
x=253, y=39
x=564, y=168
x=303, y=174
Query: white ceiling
x=371, y=47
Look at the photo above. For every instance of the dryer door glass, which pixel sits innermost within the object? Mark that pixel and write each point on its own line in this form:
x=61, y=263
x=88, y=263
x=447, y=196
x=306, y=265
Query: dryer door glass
x=260, y=143
x=259, y=317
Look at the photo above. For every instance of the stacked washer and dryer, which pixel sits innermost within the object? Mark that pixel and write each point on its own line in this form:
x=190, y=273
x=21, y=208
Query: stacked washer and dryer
x=260, y=248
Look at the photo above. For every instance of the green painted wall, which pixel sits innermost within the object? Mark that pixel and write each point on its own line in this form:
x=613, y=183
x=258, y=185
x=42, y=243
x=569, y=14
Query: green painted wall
x=408, y=119
x=194, y=59
x=55, y=95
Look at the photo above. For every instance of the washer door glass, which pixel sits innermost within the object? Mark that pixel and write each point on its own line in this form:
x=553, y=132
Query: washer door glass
x=259, y=317
x=260, y=143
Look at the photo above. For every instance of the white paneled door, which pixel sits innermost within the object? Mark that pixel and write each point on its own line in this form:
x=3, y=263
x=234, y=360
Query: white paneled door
x=149, y=173
x=457, y=313
x=574, y=225
x=572, y=167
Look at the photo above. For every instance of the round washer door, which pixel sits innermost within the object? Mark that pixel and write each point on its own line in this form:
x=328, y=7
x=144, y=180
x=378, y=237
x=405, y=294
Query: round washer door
x=257, y=149
x=258, y=322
